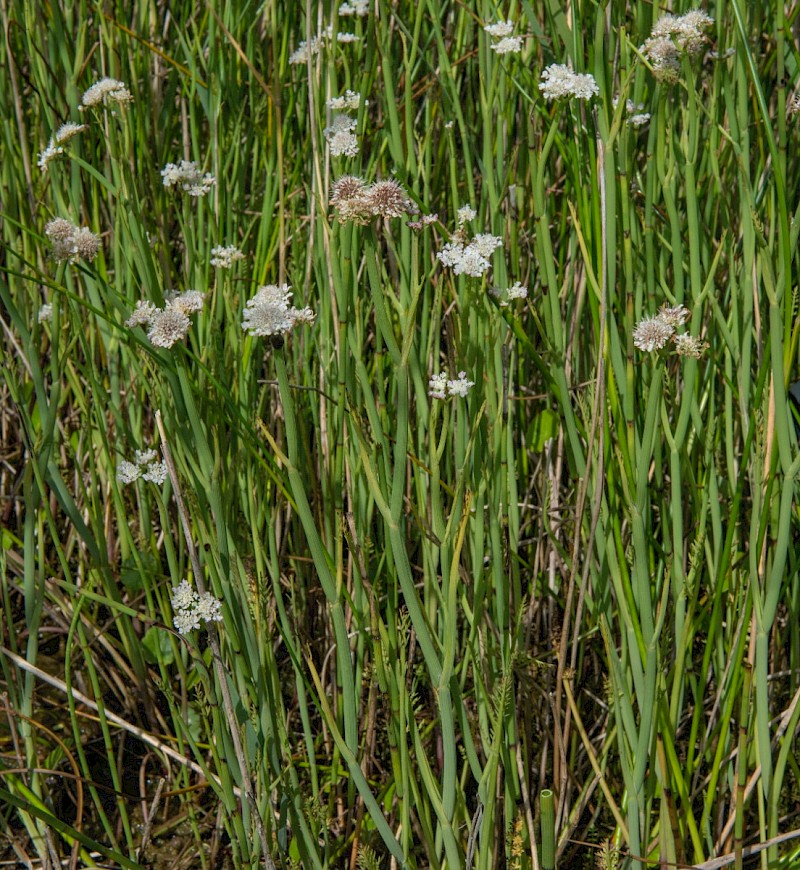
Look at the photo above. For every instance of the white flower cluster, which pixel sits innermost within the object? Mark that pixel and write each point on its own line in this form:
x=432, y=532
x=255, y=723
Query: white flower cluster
x=224, y=257
x=440, y=387
x=672, y=35
x=187, y=177
x=652, y=333
x=637, y=117
x=55, y=146
x=470, y=258
x=349, y=101
x=145, y=465
x=341, y=139
x=354, y=7
x=45, y=313
x=106, y=91
x=306, y=50
x=71, y=243
x=516, y=291
x=191, y=609
x=269, y=312
x=502, y=40
x=170, y=324
x=558, y=80
x=465, y=214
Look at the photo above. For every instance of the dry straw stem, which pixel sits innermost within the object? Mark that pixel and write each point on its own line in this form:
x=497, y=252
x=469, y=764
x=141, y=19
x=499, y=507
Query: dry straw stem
x=587, y=745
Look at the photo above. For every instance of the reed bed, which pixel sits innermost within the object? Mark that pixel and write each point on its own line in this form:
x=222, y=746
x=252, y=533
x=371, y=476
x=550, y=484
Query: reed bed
x=399, y=457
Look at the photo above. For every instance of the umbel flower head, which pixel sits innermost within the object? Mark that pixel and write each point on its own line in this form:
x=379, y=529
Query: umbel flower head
x=388, y=199
x=355, y=200
x=186, y=176
x=507, y=45
x=671, y=36
x=441, y=387
x=558, y=80
x=55, y=146
x=653, y=333
x=469, y=258
x=499, y=29
x=511, y=294
x=106, y=91
x=355, y=7
x=349, y=101
x=305, y=50
x=145, y=465
x=190, y=608
x=269, y=312
x=71, y=243
x=502, y=40
x=223, y=257
x=170, y=324
x=341, y=139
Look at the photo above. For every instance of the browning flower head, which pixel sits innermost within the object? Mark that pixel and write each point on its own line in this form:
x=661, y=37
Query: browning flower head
x=688, y=345
x=59, y=230
x=71, y=243
x=347, y=187
x=349, y=199
x=85, y=244
x=356, y=201
x=388, y=199
x=675, y=316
